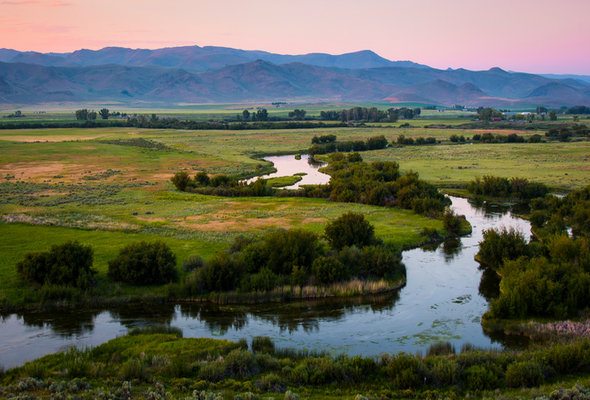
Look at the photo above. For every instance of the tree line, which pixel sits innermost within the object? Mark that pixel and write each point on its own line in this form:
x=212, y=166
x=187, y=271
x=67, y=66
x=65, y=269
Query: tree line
x=352, y=181
x=372, y=114
x=329, y=144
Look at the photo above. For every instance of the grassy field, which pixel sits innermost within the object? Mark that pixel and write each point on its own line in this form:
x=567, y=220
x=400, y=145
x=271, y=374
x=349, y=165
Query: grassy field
x=62, y=184
x=110, y=186
x=559, y=165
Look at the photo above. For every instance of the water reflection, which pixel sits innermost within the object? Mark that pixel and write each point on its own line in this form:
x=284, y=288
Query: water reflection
x=444, y=298
x=290, y=165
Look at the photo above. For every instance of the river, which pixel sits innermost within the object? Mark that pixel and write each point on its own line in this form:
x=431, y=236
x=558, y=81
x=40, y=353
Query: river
x=444, y=299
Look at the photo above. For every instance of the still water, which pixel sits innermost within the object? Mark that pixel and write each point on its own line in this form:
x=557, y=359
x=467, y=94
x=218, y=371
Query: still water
x=444, y=299
x=289, y=166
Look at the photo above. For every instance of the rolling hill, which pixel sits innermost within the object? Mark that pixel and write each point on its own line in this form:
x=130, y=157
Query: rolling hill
x=218, y=74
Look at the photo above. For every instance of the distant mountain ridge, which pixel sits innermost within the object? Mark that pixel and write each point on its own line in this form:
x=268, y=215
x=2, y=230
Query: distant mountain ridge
x=219, y=74
x=195, y=58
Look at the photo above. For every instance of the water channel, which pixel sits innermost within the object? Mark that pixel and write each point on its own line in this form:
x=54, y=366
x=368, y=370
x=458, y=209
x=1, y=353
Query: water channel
x=444, y=299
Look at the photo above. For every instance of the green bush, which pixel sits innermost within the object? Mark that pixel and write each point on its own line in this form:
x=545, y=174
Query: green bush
x=192, y=263
x=406, y=371
x=480, y=377
x=453, y=223
x=500, y=245
x=181, y=180
x=144, y=263
x=263, y=344
x=441, y=348
x=524, y=374
x=240, y=364
x=68, y=264
x=350, y=229
x=444, y=371
x=327, y=270
x=381, y=261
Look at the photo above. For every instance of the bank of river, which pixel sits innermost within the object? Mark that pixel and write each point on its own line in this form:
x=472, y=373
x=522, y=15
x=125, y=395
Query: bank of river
x=443, y=299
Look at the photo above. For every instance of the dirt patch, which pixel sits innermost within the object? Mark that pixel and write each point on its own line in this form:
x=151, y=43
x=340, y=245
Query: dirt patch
x=200, y=223
x=47, y=171
x=47, y=139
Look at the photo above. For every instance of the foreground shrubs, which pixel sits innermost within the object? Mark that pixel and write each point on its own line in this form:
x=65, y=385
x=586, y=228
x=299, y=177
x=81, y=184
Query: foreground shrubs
x=68, y=264
x=213, y=364
x=144, y=263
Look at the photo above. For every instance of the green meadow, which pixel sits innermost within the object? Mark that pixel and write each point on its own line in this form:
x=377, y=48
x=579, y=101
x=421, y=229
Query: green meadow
x=110, y=186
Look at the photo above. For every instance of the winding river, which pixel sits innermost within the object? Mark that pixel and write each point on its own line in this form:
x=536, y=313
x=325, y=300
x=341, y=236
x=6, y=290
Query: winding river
x=444, y=298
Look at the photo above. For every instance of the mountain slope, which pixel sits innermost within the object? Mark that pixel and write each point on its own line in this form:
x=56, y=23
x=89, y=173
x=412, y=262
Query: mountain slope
x=264, y=81
x=197, y=59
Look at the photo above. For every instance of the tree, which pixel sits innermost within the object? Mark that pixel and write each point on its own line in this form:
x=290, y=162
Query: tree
x=350, y=229
x=104, y=113
x=68, y=264
x=144, y=263
x=297, y=114
x=553, y=116
x=82, y=115
x=92, y=115
x=246, y=115
x=541, y=110
x=262, y=115
x=181, y=180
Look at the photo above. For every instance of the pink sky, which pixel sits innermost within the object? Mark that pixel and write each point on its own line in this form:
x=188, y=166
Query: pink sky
x=525, y=35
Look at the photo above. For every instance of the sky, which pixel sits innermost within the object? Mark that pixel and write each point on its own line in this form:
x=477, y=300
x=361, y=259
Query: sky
x=540, y=36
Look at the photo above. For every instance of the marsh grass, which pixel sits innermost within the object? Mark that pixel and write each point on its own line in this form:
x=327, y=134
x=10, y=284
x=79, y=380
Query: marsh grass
x=352, y=288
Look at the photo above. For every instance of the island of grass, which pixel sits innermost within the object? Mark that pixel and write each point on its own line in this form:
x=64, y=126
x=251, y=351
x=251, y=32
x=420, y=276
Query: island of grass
x=283, y=181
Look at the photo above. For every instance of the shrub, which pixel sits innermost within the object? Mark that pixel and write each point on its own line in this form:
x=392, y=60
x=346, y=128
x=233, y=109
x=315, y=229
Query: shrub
x=406, y=371
x=240, y=364
x=524, y=374
x=441, y=348
x=144, y=263
x=219, y=274
x=500, y=245
x=453, y=223
x=350, y=229
x=263, y=344
x=444, y=371
x=192, y=263
x=329, y=270
x=262, y=281
x=181, y=180
x=479, y=377
x=69, y=264
x=380, y=262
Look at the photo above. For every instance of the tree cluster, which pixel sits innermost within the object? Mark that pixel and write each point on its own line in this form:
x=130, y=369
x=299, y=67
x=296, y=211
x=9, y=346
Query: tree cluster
x=68, y=264
x=144, y=263
x=495, y=186
x=220, y=185
x=487, y=114
x=564, y=134
x=259, y=115
x=419, y=141
x=298, y=258
x=381, y=183
x=372, y=114
x=86, y=115
x=549, y=276
x=329, y=144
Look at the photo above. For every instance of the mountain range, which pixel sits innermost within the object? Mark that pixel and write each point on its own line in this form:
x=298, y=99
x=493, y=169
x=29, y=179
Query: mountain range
x=209, y=74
